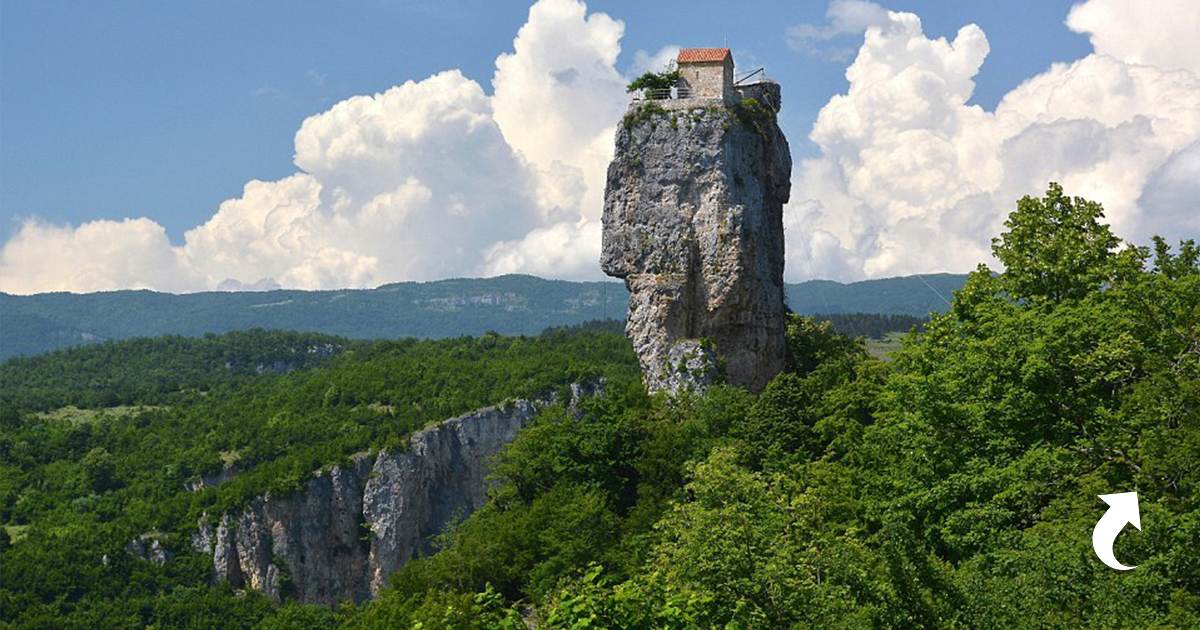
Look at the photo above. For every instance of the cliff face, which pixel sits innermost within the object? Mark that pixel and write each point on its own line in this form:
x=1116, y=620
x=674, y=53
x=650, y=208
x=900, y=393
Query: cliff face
x=351, y=527
x=693, y=222
x=412, y=495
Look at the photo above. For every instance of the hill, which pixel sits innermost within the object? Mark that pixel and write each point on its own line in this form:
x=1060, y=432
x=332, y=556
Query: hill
x=513, y=305
x=905, y=295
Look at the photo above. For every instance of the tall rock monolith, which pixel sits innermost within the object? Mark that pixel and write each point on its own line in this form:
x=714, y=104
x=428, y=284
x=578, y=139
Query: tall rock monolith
x=693, y=223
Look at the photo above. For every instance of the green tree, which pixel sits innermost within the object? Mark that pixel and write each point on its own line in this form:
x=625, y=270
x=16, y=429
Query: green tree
x=1055, y=248
x=811, y=342
x=663, y=80
x=99, y=470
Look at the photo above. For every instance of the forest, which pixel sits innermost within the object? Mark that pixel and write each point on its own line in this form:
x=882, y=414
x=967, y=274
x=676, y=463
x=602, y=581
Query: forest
x=953, y=485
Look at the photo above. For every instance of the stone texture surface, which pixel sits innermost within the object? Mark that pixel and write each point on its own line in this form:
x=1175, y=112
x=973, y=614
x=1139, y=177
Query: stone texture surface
x=690, y=366
x=693, y=223
x=412, y=495
x=352, y=526
x=147, y=547
x=227, y=472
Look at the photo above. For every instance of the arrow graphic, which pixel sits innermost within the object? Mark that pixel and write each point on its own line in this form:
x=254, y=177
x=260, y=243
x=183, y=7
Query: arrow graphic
x=1123, y=508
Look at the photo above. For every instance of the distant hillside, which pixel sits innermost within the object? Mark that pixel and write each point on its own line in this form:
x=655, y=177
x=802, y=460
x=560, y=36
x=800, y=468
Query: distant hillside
x=906, y=295
x=512, y=304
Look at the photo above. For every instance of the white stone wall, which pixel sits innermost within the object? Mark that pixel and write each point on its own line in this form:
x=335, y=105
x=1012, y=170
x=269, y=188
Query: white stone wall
x=686, y=104
x=708, y=80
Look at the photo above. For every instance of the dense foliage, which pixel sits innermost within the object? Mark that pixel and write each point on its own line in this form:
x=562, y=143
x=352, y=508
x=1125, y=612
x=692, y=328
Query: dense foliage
x=873, y=325
x=77, y=483
x=951, y=487
x=160, y=370
x=654, y=81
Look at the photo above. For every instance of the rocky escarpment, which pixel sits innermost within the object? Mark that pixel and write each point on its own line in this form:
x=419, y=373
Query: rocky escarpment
x=693, y=222
x=149, y=548
x=352, y=526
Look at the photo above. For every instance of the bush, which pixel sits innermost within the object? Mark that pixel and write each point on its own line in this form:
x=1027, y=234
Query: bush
x=664, y=80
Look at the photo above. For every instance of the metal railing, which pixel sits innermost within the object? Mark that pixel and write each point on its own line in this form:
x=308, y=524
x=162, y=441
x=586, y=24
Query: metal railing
x=665, y=94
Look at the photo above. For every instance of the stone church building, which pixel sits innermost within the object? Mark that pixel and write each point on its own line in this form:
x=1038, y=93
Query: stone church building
x=705, y=73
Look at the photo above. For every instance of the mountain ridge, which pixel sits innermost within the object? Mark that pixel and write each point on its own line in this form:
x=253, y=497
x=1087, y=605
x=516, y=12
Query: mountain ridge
x=511, y=304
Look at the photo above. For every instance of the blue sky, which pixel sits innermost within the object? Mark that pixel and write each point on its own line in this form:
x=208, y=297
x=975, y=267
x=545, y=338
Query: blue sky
x=191, y=145
x=165, y=109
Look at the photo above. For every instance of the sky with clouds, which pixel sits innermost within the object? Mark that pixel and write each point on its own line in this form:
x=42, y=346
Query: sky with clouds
x=914, y=130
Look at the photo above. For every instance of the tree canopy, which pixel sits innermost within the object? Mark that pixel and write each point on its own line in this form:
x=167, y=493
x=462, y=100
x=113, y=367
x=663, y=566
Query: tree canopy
x=654, y=81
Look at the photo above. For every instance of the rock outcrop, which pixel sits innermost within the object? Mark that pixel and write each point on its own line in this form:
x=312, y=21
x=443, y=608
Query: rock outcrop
x=693, y=222
x=352, y=526
x=227, y=472
x=149, y=548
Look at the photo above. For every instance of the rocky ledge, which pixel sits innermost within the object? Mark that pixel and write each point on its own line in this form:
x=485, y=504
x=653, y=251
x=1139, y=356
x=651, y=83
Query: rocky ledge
x=352, y=526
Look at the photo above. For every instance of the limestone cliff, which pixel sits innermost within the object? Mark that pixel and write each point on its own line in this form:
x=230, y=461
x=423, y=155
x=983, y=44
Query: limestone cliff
x=693, y=222
x=352, y=526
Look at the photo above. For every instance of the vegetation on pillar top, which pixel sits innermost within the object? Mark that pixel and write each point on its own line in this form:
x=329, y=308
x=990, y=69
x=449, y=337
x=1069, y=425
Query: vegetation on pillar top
x=640, y=113
x=653, y=81
x=755, y=115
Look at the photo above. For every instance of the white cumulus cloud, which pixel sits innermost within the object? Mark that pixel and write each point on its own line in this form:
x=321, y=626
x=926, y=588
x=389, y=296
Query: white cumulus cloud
x=95, y=256
x=1160, y=33
x=558, y=98
x=913, y=178
x=429, y=179
x=846, y=17
x=644, y=62
x=414, y=183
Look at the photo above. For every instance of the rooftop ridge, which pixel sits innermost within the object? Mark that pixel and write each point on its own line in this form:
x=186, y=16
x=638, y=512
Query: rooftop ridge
x=702, y=55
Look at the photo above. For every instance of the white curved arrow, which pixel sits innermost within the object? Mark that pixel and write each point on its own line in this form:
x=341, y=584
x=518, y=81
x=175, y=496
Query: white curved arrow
x=1123, y=508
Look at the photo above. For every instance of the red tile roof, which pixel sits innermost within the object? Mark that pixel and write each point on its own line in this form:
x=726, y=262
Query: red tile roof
x=702, y=55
